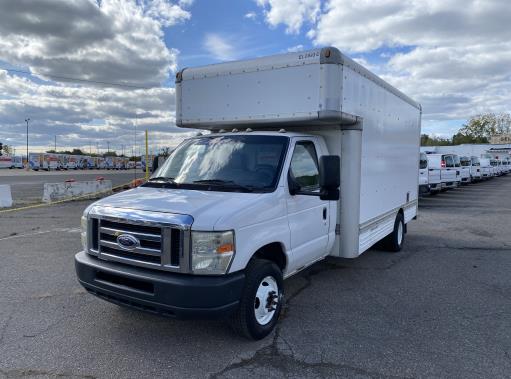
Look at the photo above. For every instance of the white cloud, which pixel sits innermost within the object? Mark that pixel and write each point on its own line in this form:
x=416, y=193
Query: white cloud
x=115, y=41
x=79, y=115
x=293, y=14
x=294, y=49
x=167, y=13
x=219, y=47
x=251, y=15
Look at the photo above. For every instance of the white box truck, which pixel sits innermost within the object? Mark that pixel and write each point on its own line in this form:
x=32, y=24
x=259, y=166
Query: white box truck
x=309, y=154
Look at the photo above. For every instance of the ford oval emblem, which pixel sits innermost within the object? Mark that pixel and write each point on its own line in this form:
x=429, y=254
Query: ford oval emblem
x=128, y=242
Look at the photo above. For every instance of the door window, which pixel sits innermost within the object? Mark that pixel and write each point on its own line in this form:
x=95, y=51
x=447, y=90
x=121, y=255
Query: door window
x=449, y=162
x=304, y=166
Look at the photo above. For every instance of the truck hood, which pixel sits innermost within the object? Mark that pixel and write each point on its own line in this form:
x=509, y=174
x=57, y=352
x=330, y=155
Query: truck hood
x=206, y=207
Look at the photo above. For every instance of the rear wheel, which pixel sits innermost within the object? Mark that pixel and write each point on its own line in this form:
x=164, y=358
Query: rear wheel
x=261, y=301
x=394, y=241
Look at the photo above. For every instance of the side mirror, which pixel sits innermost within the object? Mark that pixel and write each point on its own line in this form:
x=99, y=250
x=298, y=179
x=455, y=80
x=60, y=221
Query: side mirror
x=329, y=177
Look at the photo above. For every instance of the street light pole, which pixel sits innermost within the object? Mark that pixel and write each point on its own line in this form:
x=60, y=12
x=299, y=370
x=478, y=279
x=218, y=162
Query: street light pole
x=27, y=120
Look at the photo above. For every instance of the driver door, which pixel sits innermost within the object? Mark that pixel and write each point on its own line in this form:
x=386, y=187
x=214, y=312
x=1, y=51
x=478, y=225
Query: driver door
x=307, y=214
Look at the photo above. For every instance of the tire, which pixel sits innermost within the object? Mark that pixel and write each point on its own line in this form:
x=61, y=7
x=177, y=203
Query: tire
x=247, y=321
x=394, y=241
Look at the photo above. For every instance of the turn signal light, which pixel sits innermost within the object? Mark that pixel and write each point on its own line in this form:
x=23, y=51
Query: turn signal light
x=225, y=248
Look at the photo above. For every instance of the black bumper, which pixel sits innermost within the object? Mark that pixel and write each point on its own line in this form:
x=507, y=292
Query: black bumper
x=168, y=294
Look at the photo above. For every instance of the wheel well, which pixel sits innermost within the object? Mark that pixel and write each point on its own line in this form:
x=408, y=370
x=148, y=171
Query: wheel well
x=273, y=252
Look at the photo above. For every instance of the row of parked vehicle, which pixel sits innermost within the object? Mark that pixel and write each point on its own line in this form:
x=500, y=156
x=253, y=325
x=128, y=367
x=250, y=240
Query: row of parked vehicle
x=440, y=172
x=50, y=161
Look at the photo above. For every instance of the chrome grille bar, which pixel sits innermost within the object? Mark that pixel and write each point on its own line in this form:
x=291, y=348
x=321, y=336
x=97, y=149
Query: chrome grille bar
x=163, y=243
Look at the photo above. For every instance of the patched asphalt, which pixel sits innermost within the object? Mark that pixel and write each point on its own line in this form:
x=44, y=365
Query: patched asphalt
x=439, y=308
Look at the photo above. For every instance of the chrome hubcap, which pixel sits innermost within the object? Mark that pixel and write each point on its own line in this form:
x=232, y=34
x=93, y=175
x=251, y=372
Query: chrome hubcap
x=400, y=233
x=266, y=300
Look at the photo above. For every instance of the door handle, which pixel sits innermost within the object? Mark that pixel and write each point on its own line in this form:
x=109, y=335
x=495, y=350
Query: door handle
x=324, y=213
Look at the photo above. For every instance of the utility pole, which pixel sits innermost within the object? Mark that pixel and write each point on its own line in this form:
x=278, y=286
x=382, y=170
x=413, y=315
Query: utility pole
x=27, y=120
x=97, y=147
x=55, y=149
x=108, y=146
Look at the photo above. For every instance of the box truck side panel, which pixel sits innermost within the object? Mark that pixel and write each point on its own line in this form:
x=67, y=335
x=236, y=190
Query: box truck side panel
x=390, y=153
x=252, y=97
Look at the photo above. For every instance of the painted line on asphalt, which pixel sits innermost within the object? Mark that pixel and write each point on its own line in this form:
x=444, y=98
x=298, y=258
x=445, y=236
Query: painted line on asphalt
x=60, y=230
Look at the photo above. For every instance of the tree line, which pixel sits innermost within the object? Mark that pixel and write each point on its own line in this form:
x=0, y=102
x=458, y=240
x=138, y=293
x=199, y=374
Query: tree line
x=478, y=129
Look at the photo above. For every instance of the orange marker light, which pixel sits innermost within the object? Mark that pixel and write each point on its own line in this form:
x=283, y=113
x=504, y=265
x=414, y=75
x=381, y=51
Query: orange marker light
x=225, y=248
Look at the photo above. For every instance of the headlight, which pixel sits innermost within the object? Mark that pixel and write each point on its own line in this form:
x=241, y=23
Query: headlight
x=84, y=232
x=212, y=252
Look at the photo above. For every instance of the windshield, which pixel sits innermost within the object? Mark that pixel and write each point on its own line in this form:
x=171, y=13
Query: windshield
x=475, y=161
x=249, y=163
x=465, y=161
x=423, y=162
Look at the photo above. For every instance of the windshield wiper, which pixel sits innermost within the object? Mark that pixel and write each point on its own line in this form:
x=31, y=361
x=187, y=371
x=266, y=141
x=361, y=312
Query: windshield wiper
x=224, y=183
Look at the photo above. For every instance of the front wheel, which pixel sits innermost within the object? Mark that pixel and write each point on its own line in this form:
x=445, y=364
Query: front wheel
x=261, y=300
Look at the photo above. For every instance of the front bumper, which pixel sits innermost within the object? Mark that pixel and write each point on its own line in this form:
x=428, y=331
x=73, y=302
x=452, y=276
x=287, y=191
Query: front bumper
x=168, y=294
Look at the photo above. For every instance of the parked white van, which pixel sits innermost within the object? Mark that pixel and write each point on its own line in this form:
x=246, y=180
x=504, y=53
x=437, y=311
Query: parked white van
x=475, y=169
x=495, y=163
x=444, y=163
x=457, y=165
x=465, y=169
x=486, y=168
x=423, y=174
x=434, y=181
x=320, y=158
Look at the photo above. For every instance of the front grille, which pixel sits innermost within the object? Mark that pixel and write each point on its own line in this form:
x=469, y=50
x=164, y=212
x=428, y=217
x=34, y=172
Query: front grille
x=158, y=247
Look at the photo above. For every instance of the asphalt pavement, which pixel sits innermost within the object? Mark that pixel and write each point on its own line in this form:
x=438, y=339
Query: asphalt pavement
x=439, y=308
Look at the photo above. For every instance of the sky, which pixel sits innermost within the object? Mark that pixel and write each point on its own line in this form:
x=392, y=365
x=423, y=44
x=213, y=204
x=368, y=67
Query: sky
x=96, y=73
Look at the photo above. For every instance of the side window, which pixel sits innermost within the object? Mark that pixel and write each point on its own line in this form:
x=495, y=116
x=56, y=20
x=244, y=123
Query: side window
x=304, y=166
x=449, y=162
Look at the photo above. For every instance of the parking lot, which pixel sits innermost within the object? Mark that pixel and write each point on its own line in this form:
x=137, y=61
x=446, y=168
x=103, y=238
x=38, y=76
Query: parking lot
x=27, y=187
x=441, y=307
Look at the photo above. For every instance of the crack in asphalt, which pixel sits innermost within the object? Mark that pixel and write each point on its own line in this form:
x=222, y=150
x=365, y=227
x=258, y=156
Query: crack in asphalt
x=6, y=325
x=27, y=373
x=280, y=355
